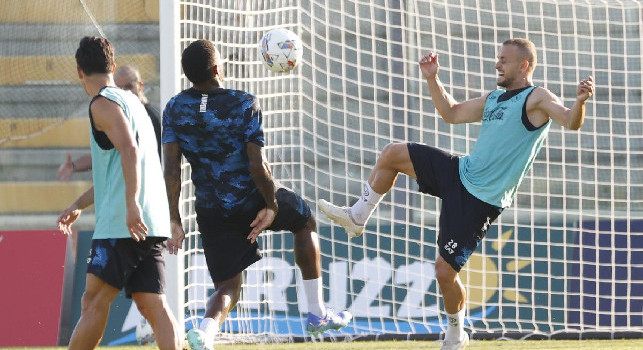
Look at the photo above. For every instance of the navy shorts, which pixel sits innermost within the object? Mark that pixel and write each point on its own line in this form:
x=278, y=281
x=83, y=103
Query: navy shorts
x=139, y=267
x=464, y=219
x=224, y=238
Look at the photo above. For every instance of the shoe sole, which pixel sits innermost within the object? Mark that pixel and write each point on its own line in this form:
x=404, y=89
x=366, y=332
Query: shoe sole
x=324, y=329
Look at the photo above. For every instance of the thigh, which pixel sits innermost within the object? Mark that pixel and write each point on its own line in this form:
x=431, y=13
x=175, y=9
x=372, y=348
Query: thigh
x=436, y=171
x=293, y=213
x=225, y=245
x=149, y=274
x=464, y=221
x=97, y=290
x=113, y=260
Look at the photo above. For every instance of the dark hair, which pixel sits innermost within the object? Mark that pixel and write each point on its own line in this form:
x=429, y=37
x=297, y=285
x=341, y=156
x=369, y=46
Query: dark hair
x=95, y=55
x=527, y=48
x=197, y=61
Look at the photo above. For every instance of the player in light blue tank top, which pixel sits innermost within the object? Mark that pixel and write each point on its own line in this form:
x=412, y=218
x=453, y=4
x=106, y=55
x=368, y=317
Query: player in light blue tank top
x=132, y=213
x=504, y=152
x=475, y=188
x=109, y=183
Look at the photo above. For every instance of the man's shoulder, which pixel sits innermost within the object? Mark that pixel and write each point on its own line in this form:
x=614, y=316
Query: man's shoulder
x=540, y=94
x=102, y=105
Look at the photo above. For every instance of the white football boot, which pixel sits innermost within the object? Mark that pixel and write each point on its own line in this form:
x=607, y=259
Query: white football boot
x=456, y=345
x=341, y=216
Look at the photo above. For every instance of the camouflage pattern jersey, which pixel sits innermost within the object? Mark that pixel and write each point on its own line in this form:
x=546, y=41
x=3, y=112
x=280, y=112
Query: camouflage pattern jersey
x=212, y=129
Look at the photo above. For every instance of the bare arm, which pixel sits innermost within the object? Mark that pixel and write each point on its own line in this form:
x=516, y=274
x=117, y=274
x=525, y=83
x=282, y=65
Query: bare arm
x=450, y=110
x=172, y=174
x=262, y=178
x=109, y=118
x=72, y=213
x=68, y=167
x=83, y=163
x=570, y=118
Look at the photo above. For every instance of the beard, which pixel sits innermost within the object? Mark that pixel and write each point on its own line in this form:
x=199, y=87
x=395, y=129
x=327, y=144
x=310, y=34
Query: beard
x=504, y=82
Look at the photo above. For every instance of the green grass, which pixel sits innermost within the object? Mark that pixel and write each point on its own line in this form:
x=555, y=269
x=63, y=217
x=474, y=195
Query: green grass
x=633, y=344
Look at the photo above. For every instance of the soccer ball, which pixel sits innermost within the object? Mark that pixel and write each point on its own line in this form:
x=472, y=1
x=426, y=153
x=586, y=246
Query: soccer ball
x=144, y=333
x=280, y=50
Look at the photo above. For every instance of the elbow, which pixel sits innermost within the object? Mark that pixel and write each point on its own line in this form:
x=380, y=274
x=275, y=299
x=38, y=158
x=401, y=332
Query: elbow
x=449, y=114
x=447, y=119
x=130, y=152
x=576, y=125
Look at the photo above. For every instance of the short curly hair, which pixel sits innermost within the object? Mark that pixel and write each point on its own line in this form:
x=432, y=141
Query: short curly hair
x=198, y=59
x=95, y=55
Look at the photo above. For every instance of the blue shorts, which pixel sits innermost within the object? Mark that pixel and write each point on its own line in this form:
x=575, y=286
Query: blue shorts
x=224, y=238
x=464, y=219
x=125, y=263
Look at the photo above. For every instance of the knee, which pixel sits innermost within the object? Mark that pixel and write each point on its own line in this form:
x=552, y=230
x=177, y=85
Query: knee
x=309, y=227
x=147, y=304
x=229, y=290
x=391, y=153
x=92, y=302
x=444, y=272
x=307, y=234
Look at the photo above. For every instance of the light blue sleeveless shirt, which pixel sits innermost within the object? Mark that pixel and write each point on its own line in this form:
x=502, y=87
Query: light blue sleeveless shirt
x=504, y=152
x=107, y=172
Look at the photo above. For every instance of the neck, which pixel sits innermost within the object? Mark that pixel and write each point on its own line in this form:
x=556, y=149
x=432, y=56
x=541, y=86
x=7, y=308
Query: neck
x=519, y=84
x=208, y=85
x=95, y=82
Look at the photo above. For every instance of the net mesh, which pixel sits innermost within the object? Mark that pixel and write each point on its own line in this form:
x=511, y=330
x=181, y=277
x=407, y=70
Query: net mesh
x=567, y=257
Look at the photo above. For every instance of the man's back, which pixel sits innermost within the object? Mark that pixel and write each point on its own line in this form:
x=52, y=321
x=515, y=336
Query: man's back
x=109, y=185
x=212, y=130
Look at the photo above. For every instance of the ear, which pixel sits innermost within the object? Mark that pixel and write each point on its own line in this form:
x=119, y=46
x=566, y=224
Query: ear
x=215, y=71
x=80, y=72
x=524, y=66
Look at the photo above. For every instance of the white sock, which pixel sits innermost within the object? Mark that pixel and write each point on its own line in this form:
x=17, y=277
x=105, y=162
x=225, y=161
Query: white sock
x=315, y=296
x=455, y=325
x=366, y=204
x=210, y=328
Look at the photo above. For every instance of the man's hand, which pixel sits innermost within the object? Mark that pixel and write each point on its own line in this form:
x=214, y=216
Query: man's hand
x=264, y=219
x=67, y=218
x=66, y=169
x=585, y=89
x=178, y=235
x=429, y=65
x=135, y=225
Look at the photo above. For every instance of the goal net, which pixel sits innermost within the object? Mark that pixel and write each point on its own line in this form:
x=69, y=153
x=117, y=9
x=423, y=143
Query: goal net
x=565, y=259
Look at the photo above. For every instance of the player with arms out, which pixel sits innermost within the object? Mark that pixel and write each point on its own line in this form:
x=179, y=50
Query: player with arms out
x=475, y=188
x=132, y=215
x=220, y=133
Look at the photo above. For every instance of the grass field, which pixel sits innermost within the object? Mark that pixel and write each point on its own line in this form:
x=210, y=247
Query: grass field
x=636, y=344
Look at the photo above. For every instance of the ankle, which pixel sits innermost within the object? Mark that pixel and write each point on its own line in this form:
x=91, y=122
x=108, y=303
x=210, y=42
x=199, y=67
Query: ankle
x=365, y=205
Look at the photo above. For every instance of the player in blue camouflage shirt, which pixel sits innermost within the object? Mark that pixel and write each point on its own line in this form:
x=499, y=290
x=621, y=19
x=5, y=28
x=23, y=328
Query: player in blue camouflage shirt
x=220, y=133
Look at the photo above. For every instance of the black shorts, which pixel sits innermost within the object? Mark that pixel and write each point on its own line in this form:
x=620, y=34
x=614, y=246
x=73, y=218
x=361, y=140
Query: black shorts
x=139, y=267
x=464, y=219
x=224, y=239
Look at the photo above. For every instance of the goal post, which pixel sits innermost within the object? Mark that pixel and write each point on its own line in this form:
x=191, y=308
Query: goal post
x=566, y=260
x=170, y=76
